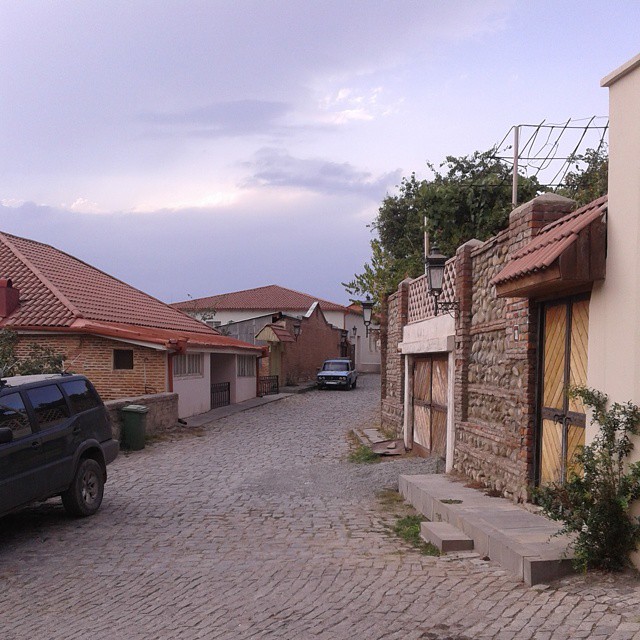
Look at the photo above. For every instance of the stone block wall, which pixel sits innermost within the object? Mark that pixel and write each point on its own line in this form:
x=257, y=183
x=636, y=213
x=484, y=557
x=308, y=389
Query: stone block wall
x=92, y=356
x=495, y=360
x=163, y=412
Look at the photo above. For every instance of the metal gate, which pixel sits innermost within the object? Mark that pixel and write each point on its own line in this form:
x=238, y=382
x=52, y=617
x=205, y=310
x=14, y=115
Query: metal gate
x=220, y=394
x=430, y=405
x=268, y=385
x=562, y=419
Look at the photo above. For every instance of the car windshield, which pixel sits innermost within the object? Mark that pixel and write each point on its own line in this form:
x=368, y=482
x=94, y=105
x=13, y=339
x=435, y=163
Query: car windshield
x=335, y=366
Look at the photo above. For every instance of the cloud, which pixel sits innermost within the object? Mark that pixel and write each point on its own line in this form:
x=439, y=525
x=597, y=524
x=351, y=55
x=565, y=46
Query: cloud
x=277, y=168
x=219, y=119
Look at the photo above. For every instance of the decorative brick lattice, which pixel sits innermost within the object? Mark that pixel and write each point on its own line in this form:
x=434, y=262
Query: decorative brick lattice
x=421, y=304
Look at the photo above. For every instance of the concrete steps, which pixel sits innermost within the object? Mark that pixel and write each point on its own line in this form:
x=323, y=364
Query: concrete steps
x=521, y=541
x=445, y=537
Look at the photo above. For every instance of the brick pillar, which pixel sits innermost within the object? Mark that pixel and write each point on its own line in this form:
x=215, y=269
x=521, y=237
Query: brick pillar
x=464, y=288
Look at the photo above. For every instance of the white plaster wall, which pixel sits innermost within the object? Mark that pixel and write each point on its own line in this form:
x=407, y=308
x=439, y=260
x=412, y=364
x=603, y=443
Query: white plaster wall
x=245, y=389
x=367, y=358
x=194, y=392
x=614, y=313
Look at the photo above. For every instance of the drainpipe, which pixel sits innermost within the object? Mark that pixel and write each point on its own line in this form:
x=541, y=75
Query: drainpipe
x=170, y=371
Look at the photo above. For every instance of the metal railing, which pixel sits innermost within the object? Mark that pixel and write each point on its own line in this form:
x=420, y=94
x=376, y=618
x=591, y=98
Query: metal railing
x=268, y=385
x=220, y=394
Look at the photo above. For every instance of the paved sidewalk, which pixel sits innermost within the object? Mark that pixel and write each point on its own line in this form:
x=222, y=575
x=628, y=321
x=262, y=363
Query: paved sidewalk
x=208, y=417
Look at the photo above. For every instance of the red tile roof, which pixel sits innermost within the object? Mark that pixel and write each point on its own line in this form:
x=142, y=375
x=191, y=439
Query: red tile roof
x=269, y=298
x=58, y=291
x=551, y=242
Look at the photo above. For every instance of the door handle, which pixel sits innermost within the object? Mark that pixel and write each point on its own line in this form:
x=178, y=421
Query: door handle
x=559, y=417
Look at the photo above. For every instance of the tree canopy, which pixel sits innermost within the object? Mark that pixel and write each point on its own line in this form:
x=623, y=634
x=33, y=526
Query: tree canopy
x=467, y=197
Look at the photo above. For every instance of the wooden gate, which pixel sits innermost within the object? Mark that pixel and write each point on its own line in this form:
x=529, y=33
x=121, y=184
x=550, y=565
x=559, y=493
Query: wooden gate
x=564, y=364
x=430, y=405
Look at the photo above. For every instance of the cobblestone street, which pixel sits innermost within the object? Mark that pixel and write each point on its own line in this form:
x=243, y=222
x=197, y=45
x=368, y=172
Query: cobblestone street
x=257, y=526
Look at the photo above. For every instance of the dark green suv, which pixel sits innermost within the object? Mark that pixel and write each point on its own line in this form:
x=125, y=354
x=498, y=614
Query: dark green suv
x=55, y=439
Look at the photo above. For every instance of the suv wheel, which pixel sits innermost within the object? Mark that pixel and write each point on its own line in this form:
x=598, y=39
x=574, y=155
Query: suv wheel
x=84, y=496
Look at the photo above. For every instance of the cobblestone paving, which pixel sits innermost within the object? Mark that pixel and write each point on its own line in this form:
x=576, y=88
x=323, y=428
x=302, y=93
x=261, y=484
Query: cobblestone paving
x=259, y=527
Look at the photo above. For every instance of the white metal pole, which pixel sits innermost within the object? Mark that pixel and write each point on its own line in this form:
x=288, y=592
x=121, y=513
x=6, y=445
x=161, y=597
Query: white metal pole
x=516, y=142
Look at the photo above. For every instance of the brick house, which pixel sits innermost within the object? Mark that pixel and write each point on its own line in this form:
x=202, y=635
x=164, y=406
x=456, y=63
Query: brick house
x=297, y=358
x=243, y=314
x=127, y=342
x=485, y=387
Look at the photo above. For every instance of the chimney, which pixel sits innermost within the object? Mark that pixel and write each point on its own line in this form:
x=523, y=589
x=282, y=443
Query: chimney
x=9, y=297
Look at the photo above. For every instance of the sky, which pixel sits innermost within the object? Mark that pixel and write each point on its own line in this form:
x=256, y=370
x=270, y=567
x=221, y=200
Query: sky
x=192, y=148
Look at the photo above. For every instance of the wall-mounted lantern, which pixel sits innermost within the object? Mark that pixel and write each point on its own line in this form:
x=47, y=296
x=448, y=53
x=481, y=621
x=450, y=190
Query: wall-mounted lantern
x=367, y=311
x=434, y=265
x=354, y=331
x=297, y=329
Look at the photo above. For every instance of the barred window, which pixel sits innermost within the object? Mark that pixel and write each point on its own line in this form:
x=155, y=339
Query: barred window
x=246, y=367
x=188, y=364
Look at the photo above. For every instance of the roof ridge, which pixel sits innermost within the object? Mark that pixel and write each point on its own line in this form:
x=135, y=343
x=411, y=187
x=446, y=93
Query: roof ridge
x=45, y=281
x=194, y=301
x=70, y=305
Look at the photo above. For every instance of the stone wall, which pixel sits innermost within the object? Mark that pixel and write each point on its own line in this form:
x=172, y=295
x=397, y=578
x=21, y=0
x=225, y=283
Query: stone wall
x=496, y=362
x=162, y=415
x=495, y=358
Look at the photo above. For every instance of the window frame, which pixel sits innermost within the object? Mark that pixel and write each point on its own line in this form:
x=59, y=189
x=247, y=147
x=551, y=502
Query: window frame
x=244, y=364
x=188, y=365
x=123, y=351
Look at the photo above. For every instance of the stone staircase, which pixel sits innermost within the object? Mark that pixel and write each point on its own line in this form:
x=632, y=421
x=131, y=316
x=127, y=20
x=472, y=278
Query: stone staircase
x=461, y=518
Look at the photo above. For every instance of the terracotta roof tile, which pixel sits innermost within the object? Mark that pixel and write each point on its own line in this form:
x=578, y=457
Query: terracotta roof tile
x=62, y=292
x=551, y=242
x=269, y=298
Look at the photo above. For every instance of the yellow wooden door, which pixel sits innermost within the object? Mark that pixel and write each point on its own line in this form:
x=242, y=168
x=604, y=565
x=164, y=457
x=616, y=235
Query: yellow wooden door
x=564, y=364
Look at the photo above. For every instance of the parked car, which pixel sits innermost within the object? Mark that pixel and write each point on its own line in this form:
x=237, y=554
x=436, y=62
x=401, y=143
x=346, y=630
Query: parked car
x=55, y=439
x=337, y=373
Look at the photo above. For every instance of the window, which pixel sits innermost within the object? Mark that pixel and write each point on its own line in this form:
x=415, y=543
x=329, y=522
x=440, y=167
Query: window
x=48, y=404
x=188, y=364
x=14, y=415
x=246, y=367
x=123, y=358
x=81, y=395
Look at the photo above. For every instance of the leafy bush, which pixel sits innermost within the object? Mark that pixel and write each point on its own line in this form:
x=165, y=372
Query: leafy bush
x=39, y=360
x=595, y=505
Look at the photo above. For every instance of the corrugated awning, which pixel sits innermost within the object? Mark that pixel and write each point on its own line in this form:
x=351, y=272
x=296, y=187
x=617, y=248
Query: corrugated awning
x=566, y=255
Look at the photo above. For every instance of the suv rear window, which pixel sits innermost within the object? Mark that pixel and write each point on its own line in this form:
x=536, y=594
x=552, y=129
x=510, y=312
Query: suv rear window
x=81, y=395
x=14, y=415
x=48, y=404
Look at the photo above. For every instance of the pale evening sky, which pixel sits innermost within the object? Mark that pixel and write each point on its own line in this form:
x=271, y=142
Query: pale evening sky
x=199, y=147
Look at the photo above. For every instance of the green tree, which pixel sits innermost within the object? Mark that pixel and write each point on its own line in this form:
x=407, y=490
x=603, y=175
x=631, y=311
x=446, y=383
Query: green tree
x=39, y=359
x=589, y=177
x=468, y=197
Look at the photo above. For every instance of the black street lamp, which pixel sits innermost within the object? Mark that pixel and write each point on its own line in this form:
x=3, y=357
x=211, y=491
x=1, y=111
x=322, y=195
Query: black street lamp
x=367, y=311
x=434, y=265
x=297, y=328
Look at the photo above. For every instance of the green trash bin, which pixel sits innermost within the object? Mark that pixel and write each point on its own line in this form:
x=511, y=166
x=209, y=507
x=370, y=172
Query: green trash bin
x=134, y=426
